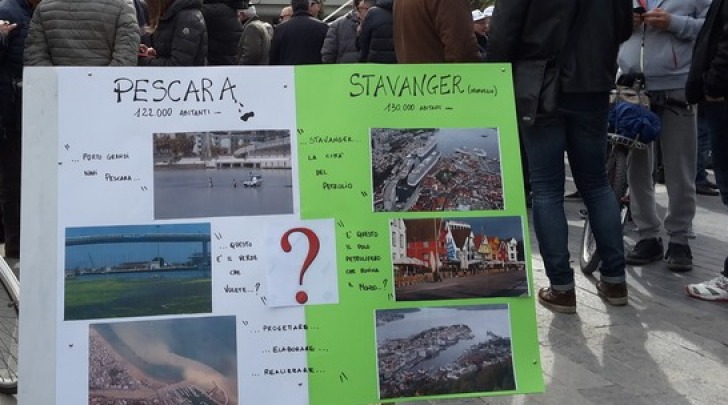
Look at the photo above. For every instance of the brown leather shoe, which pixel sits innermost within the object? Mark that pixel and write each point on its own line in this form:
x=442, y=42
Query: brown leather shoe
x=558, y=301
x=614, y=294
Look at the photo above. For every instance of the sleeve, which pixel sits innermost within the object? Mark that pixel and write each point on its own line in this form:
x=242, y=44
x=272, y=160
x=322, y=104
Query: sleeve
x=275, y=48
x=189, y=32
x=126, y=43
x=364, y=39
x=715, y=79
x=3, y=43
x=505, y=29
x=36, y=46
x=623, y=20
x=251, y=47
x=454, y=24
x=331, y=43
x=687, y=27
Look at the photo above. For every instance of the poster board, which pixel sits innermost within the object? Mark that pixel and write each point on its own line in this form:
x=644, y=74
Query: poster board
x=278, y=235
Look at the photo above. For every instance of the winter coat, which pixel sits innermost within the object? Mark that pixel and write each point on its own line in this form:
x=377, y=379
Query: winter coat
x=11, y=58
x=254, y=46
x=223, y=31
x=376, y=40
x=83, y=33
x=431, y=31
x=181, y=38
x=298, y=41
x=340, y=42
x=538, y=30
x=709, y=70
x=667, y=53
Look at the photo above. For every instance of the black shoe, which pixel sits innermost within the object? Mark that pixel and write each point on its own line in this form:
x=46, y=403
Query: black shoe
x=704, y=189
x=710, y=184
x=679, y=258
x=645, y=251
x=614, y=294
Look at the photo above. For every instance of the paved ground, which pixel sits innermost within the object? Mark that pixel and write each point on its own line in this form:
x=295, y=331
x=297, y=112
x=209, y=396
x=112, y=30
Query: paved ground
x=664, y=348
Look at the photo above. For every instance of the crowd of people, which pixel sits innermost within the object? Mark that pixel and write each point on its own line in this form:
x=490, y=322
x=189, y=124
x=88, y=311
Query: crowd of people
x=680, y=47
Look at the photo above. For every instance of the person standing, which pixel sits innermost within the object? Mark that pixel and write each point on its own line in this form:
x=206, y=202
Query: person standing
x=254, y=45
x=585, y=36
x=661, y=48
x=223, y=30
x=479, y=26
x=707, y=84
x=15, y=16
x=299, y=40
x=432, y=31
x=376, y=36
x=340, y=42
x=286, y=14
x=83, y=33
x=179, y=34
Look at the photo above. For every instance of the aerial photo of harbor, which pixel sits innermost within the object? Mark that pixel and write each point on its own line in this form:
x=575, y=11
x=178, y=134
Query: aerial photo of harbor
x=436, y=169
x=444, y=350
x=167, y=362
x=222, y=173
x=137, y=270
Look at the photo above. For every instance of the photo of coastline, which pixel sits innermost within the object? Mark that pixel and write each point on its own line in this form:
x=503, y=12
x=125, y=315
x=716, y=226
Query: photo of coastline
x=176, y=361
x=436, y=169
x=444, y=350
x=137, y=270
x=458, y=258
x=222, y=173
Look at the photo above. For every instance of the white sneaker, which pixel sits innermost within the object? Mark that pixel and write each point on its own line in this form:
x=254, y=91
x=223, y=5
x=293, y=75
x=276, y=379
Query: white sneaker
x=712, y=290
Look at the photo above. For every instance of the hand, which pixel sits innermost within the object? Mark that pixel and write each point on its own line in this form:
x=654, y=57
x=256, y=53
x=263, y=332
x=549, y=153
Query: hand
x=658, y=18
x=6, y=27
x=637, y=21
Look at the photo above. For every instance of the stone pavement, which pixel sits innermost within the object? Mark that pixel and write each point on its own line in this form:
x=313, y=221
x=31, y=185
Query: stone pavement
x=663, y=348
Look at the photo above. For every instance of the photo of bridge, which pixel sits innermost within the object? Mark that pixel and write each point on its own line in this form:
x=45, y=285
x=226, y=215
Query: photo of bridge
x=222, y=173
x=137, y=270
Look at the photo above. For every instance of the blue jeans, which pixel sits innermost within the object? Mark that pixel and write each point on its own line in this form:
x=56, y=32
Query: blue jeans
x=716, y=118
x=580, y=130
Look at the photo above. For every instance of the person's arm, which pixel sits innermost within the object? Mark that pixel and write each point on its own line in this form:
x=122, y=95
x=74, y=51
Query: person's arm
x=330, y=49
x=126, y=42
x=252, y=45
x=189, y=32
x=364, y=40
x=715, y=79
x=275, y=48
x=454, y=23
x=506, y=25
x=36, y=46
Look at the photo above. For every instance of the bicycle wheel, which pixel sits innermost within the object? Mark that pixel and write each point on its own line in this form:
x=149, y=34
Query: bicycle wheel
x=617, y=177
x=9, y=302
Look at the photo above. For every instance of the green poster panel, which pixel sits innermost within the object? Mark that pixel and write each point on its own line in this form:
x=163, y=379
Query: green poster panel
x=419, y=166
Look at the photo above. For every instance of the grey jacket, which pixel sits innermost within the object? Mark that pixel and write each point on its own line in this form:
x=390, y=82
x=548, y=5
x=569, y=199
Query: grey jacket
x=83, y=33
x=340, y=42
x=254, y=45
x=667, y=53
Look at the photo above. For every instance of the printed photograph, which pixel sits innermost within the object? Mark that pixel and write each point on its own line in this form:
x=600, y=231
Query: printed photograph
x=225, y=173
x=436, y=169
x=177, y=361
x=137, y=270
x=451, y=258
x=444, y=350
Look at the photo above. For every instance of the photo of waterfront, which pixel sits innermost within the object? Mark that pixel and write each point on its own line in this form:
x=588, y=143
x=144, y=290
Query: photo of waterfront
x=436, y=169
x=458, y=258
x=444, y=350
x=222, y=173
x=176, y=361
x=137, y=270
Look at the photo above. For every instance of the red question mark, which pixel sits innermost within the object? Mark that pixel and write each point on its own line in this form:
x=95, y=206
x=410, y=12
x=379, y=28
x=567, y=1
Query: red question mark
x=313, y=249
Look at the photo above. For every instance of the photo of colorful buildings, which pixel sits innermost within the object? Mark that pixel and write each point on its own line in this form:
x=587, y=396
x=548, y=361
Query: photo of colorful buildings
x=446, y=258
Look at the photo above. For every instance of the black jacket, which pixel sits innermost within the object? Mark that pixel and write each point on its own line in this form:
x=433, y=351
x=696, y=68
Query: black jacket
x=538, y=29
x=298, y=41
x=376, y=43
x=709, y=69
x=223, y=31
x=11, y=58
x=181, y=38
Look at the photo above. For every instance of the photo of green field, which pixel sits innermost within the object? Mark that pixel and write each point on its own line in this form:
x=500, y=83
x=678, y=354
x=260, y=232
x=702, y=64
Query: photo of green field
x=132, y=271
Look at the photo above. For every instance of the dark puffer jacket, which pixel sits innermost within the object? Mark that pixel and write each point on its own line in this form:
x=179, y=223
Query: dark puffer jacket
x=376, y=43
x=181, y=38
x=223, y=31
